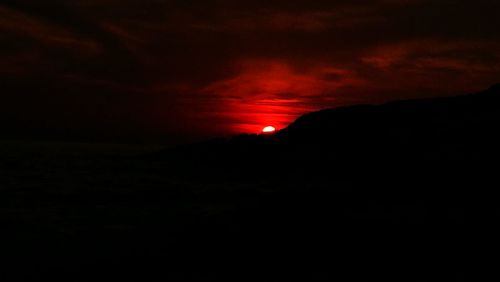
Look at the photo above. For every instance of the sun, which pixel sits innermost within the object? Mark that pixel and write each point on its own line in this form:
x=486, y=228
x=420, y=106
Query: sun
x=268, y=129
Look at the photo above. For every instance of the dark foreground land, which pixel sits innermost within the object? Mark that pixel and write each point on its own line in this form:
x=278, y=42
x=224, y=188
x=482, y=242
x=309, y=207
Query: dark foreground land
x=366, y=193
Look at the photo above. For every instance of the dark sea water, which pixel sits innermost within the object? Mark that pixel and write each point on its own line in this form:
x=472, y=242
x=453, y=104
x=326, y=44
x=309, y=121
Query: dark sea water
x=90, y=212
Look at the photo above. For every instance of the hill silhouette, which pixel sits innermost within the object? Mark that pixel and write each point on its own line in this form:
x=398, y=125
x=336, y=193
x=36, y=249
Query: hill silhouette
x=411, y=168
x=392, y=183
x=362, y=193
x=448, y=130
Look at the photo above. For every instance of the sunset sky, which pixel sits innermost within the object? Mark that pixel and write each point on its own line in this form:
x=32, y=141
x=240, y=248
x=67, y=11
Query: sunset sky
x=183, y=70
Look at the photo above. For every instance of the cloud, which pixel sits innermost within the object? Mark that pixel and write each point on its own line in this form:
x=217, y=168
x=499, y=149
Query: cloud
x=427, y=55
x=298, y=21
x=429, y=67
x=276, y=92
x=277, y=79
x=227, y=66
x=21, y=24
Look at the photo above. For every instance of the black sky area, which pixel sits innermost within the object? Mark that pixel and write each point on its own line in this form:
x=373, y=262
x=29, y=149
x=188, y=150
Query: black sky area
x=177, y=71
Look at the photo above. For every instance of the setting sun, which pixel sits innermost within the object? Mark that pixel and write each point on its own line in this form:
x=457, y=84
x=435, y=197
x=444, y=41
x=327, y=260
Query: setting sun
x=268, y=129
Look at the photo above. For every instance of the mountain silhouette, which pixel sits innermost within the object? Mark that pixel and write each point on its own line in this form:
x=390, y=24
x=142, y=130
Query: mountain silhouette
x=384, y=187
x=360, y=193
x=402, y=121
x=410, y=132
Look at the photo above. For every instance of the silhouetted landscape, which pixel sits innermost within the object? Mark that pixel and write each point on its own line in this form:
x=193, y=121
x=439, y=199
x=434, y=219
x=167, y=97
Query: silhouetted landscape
x=359, y=193
x=248, y=140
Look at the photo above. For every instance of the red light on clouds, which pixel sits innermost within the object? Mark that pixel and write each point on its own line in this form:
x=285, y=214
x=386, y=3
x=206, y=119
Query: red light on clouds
x=271, y=92
x=250, y=117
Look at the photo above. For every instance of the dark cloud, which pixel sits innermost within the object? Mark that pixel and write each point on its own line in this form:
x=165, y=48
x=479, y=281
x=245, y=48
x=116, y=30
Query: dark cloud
x=220, y=67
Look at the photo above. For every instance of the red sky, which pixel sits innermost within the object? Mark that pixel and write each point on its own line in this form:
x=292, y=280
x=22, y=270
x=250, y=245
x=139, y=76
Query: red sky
x=174, y=71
